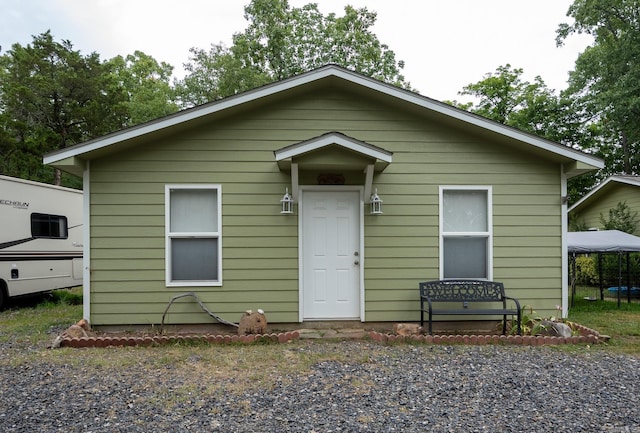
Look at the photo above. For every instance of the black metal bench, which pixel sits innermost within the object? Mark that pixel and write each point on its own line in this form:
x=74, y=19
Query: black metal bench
x=463, y=293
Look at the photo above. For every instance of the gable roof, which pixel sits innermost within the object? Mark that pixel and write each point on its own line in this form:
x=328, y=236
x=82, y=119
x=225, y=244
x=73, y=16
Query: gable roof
x=336, y=139
x=72, y=159
x=604, y=186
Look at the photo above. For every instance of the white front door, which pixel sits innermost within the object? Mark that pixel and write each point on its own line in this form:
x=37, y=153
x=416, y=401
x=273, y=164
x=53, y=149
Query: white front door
x=331, y=255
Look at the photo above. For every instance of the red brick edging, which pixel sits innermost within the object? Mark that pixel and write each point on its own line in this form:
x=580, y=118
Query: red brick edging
x=587, y=336
x=158, y=340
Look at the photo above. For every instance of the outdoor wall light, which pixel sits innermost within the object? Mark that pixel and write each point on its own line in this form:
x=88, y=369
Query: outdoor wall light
x=287, y=203
x=376, y=204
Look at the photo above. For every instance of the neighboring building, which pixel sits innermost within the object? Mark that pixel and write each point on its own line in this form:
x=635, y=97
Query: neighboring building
x=606, y=196
x=192, y=202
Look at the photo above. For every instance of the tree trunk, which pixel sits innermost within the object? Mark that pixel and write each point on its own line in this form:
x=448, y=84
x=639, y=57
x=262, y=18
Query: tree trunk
x=57, y=177
x=626, y=158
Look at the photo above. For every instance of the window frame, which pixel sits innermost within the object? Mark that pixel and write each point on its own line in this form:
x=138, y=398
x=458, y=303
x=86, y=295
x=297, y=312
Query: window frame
x=169, y=235
x=51, y=220
x=488, y=234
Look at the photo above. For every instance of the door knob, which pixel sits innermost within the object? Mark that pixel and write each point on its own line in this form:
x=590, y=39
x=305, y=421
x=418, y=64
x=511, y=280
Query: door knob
x=356, y=262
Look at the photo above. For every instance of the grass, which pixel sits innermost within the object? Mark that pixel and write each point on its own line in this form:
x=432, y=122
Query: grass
x=621, y=323
x=31, y=319
x=31, y=324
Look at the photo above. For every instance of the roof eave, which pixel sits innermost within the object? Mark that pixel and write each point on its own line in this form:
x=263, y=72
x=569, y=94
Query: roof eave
x=73, y=165
x=604, y=184
x=316, y=75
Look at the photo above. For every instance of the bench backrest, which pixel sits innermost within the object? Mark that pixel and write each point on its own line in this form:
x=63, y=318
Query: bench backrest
x=462, y=290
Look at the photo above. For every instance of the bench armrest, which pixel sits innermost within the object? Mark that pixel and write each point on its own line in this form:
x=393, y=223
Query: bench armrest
x=514, y=300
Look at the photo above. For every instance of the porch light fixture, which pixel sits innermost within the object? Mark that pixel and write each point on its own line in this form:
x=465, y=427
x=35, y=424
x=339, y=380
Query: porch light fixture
x=376, y=204
x=287, y=203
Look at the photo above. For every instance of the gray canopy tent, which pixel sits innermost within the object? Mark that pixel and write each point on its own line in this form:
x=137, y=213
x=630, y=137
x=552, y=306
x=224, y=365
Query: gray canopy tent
x=604, y=241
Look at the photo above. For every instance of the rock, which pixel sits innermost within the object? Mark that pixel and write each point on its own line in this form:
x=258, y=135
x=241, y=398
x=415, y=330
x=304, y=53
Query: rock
x=78, y=330
x=252, y=323
x=407, y=329
x=554, y=329
x=75, y=331
x=84, y=324
x=562, y=329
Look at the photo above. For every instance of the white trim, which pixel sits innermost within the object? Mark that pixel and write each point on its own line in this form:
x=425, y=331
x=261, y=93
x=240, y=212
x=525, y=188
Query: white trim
x=488, y=234
x=330, y=139
x=368, y=182
x=295, y=185
x=341, y=188
x=611, y=179
x=564, y=252
x=86, y=241
x=309, y=77
x=214, y=235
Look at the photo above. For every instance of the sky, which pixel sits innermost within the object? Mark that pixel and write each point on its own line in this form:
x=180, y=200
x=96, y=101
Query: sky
x=445, y=44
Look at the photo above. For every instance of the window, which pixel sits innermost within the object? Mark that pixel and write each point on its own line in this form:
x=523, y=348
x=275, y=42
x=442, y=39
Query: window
x=193, y=235
x=49, y=226
x=465, y=232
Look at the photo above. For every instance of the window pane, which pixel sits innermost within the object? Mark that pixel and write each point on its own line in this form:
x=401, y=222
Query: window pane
x=48, y=226
x=465, y=257
x=194, y=210
x=465, y=211
x=194, y=259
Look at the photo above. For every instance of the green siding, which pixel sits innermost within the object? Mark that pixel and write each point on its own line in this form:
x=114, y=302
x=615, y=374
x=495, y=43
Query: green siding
x=260, y=246
x=607, y=199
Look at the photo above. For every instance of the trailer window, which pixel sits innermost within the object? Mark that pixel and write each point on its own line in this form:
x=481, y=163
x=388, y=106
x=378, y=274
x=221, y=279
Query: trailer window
x=49, y=226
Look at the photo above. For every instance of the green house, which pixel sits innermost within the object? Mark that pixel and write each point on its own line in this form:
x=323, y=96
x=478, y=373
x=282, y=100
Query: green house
x=605, y=197
x=324, y=197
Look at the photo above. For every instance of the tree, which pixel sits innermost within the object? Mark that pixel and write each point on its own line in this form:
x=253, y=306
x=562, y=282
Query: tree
x=147, y=84
x=214, y=74
x=532, y=107
x=620, y=218
x=282, y=41
x=51, y=97
x=607, y=74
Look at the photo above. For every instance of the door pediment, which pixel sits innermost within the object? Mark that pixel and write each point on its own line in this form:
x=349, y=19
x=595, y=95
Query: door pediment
x=333, y=150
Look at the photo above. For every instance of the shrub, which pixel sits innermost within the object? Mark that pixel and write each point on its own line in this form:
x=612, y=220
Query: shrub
x=586, y=270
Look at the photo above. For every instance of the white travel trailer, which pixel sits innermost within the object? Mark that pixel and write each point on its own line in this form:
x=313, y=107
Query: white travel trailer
x=40, y=237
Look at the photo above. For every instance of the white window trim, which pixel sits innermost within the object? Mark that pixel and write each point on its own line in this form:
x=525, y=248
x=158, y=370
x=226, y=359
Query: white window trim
x=488, y=234
x=169, y=235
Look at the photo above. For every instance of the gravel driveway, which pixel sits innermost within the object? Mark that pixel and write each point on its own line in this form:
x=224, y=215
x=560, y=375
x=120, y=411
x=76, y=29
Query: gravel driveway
x=361, y=387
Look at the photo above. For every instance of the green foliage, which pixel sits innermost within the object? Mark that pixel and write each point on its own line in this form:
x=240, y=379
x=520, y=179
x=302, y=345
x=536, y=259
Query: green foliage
x=609, y=267
x=281, y=41
x=214, y=74
x=531, y=322
x=532, y=107
x=620, y=218
x=67, y=296
x=606, y=79
x=578, y=187
x=52, y=97
x=576, y=224
x=146, y=84
x=612, y=266
x=586, y=270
